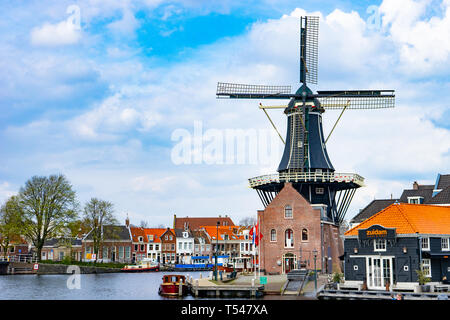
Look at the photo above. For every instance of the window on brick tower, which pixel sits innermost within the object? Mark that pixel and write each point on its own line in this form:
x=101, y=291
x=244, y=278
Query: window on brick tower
x=304, y=235
x=273, y=235
x=288, y=211
x=289, y=238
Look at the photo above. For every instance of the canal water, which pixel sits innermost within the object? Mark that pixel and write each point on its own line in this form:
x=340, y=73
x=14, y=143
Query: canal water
x=104, y=286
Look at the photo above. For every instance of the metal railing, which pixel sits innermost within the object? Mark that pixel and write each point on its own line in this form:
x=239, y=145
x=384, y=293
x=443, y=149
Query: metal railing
x=306, y=177
x=27, y=258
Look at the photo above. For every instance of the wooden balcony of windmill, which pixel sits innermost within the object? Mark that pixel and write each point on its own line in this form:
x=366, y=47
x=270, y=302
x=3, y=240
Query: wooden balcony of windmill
x=325, y=177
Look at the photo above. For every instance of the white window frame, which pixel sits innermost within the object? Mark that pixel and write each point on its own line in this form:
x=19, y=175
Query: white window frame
x=273, y=239
x=445, y=244
x=415, y=200
x=425, y=247
x=426, y=266
x=377, y=247
x=291, y=212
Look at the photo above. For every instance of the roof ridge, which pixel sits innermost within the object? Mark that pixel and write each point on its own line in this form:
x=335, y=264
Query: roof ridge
x=406, y=218
x=371, y=217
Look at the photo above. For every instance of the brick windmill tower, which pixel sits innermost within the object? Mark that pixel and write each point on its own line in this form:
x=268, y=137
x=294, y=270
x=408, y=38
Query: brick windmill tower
x=305, y=166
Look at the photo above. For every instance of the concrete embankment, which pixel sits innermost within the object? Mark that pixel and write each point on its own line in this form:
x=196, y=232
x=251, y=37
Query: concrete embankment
x=29, y=268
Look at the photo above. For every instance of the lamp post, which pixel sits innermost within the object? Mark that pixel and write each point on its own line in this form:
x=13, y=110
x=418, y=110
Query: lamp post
x=315, y=270
x=215, y=253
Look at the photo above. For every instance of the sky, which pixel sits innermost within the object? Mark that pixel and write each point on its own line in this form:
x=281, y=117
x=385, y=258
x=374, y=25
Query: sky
x=119, y=96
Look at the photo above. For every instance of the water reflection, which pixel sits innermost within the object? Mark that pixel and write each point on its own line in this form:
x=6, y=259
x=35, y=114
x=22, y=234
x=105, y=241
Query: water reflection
x=106, y=286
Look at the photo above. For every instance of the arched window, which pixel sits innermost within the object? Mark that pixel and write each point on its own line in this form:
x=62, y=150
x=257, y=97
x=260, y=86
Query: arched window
x=304, y=235
x=288, y=211
x=273, y=235
x=289, y=238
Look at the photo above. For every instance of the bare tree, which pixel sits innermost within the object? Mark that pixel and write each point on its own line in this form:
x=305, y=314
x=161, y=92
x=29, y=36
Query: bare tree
x=247, y=221
x=97, y=214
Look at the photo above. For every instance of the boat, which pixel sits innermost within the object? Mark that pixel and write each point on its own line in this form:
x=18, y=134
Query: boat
x=142, y=266
x=225, y=268
x=173, y=285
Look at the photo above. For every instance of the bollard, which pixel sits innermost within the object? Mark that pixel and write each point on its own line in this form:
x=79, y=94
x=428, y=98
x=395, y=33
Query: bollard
x=180, y=289
x=253, y=282
x=200, y=275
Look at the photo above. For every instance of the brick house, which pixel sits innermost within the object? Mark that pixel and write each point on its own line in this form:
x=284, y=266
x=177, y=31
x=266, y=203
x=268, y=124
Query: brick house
x=17, y=247
x=168, y=247
x=57, y=249
x=153, y=236
x=139, y=244
x=194, y=223
x=294, y=231
x=116, y=247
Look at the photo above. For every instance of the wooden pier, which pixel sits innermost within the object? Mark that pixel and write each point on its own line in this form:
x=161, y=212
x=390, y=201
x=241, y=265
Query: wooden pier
x=377, y=295
x=207, y=288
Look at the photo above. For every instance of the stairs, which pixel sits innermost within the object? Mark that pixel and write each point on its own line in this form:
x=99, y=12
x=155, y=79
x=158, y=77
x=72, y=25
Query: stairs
x=296, y=279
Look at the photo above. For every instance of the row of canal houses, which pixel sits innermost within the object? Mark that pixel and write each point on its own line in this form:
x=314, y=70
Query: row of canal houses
x=189, y=241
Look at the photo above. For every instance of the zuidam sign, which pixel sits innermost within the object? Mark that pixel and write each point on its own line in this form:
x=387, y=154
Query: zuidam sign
x=376, y=232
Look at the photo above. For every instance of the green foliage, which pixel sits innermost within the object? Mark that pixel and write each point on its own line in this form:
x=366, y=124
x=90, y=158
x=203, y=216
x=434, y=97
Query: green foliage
x=421, y=276
x=337, y=277
x=10, y=223
x=47, y=205
x=87, y=264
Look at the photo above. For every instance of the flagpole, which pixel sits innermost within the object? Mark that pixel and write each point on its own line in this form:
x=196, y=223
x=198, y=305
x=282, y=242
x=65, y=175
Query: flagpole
x=259, y=246
x=254, y=251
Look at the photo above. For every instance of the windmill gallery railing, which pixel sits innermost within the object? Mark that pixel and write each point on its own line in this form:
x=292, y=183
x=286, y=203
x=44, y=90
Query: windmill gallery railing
x=306, y=177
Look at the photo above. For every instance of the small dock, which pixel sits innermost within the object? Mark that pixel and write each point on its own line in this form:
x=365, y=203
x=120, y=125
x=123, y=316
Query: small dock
x=329, y=294
x=208, y=288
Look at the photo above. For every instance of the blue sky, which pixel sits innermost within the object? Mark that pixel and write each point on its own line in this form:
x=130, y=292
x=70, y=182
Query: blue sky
x=95, y=90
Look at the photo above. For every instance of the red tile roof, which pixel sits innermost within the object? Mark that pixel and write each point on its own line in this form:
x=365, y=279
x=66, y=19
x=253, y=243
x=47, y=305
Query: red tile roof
x=231, y=231
x=194, y=223
x=409, y=219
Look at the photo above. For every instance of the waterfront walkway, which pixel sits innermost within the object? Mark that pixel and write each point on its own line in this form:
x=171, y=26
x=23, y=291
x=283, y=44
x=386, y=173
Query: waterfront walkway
x=274, y=285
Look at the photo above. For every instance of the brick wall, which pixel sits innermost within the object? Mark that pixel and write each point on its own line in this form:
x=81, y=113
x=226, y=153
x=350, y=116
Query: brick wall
x=304, y=217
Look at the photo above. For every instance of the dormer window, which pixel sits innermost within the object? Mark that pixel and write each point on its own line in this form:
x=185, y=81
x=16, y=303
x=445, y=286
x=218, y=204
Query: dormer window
x=415, y=200
x=185, y=234
x=141, y=239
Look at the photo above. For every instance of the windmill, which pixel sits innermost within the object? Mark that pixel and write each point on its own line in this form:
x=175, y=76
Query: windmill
x=305, y=162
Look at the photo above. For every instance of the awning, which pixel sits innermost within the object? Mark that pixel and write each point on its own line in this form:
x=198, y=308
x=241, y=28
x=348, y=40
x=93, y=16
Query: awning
x=443, y=255
x=199, y=257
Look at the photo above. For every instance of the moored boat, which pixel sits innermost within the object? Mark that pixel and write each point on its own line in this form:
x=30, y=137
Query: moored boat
x=142, y=266
x=173, y=285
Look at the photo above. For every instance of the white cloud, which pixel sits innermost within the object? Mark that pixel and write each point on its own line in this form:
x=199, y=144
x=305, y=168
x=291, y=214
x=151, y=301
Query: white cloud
x=5, y=191
x=62, y=33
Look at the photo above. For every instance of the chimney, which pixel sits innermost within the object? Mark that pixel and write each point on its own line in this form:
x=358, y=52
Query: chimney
x=415, y=185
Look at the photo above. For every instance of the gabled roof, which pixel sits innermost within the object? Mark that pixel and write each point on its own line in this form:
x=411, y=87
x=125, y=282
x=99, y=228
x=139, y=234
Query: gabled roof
x=409, y=219
x=442, y=197
x=194, y=223
x=179, y=233
x=232, y=232
x=137, y=232
x=372, y=208
x=444, y=181
x=61, y=242
x=200, y=234
x=112, y=233
x=155, y=232
x=425, y=191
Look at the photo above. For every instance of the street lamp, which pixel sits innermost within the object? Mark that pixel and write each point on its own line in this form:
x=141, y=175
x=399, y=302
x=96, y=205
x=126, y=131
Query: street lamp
x=315, y=270
x=215, y=253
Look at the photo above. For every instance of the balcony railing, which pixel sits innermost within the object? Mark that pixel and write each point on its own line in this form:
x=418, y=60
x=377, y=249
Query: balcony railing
x=306, y=177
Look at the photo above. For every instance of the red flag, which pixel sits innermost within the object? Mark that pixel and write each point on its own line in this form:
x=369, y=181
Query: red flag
x=256, y=235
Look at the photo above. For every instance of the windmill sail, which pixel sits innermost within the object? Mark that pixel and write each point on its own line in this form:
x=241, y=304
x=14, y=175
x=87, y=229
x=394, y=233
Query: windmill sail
x=362, y=99
x=251, y=91
x=309, y=49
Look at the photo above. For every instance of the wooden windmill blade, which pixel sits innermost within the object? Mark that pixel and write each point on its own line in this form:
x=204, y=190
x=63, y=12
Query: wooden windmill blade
x=309, y=49
x=356, y=99
x=252, y=91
